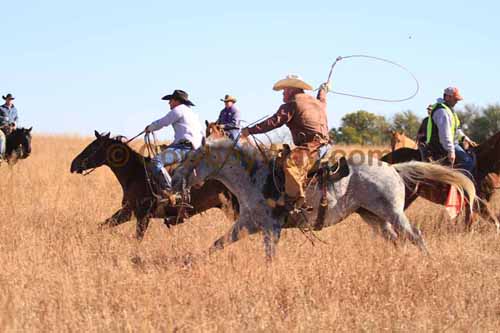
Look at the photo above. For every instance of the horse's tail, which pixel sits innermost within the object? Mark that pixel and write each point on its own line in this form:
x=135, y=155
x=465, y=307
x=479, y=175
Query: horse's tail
x=414, y=172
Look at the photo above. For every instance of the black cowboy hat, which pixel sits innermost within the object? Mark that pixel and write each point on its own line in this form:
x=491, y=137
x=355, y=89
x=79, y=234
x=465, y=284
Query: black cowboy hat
x=179, y=95
x=8, y=96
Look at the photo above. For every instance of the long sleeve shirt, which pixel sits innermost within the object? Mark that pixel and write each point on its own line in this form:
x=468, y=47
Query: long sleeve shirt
x=305, y=116
x=230, y=116
x=186, y=125
x=443, y=121
x=8, y=115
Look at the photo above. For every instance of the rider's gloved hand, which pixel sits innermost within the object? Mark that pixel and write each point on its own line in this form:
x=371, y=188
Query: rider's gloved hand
x=245, y=132
x=471, y=142
x=451, y=158
x=327, y=86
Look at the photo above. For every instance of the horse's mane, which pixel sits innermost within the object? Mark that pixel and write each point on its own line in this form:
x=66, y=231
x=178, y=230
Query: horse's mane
x=18, y=130
x=122, y=140
x=248, y=151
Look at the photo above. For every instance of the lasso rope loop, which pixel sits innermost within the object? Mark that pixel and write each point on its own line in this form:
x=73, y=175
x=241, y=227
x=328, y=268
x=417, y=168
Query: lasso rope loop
x=417, y=84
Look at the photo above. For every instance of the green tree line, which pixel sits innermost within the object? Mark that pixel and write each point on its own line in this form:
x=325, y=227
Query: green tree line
x=366, y=128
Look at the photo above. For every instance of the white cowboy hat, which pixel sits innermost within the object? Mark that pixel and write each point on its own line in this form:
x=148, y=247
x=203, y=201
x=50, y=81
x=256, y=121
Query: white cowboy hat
x=292, y=81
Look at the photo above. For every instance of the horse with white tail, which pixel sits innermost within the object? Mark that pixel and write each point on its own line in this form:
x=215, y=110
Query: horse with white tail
x=376, y=192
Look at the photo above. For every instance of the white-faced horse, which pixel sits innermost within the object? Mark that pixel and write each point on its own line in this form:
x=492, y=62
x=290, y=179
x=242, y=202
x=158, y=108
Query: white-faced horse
x=376, y=192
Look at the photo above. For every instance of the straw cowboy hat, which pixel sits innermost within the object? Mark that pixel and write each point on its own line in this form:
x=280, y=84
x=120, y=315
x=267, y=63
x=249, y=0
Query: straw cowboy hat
x=179, y=95
x=292, y=81
x=228, y=98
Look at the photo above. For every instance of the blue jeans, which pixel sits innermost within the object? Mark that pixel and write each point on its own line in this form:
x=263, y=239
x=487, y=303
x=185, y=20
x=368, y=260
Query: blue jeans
x=463, y=160
x=171, y=155
x=3, y=144
x=233, y=134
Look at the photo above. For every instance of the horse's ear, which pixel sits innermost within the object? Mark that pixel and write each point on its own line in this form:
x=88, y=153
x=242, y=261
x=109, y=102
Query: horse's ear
x=207, y=123
x=97, y=135
x=30, y=129
x=107, y=135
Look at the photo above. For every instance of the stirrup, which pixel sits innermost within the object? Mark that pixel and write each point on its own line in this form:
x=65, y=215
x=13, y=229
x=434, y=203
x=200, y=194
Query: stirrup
x=166, y=196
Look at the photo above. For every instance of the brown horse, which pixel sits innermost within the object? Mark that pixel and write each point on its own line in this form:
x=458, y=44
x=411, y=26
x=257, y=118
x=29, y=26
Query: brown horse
x=400, y=140
x=214, y=131
x=487, y=177
x=130, y=168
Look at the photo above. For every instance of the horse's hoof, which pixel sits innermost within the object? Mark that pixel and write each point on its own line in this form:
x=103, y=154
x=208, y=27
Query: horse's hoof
x=101, y=226
x=214, y=248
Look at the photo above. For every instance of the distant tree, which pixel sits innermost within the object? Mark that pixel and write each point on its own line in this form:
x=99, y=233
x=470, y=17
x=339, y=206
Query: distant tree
x=407, y=122
x=479, y=123
x=467, y=116
x=485, y=125
x=362, y=127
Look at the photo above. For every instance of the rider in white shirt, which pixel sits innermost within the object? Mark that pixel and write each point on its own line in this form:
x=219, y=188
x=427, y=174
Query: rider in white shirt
x=188, y=135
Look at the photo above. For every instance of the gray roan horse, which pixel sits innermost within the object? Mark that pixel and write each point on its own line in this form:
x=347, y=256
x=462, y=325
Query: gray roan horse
x=376, y=192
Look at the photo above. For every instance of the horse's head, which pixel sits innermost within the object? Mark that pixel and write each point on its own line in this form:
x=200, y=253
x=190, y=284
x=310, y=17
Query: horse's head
x=488, y=155
x=214, y=131
x=19, y=142
x=104, y=150
x=396, y=137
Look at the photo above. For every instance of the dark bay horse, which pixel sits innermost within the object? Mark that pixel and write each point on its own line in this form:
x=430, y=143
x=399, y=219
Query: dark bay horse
x=129, y=168
x=18, y=145
x=487, y=177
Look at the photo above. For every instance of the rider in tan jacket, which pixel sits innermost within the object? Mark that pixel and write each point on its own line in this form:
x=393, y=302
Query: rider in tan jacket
x=306, y=117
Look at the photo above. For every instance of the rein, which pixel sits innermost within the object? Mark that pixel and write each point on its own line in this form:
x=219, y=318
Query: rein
x=151, y=152
x=135, y=137
x=86, y=173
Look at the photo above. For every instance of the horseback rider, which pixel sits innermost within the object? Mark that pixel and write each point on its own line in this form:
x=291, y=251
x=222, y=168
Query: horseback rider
x=306, y=117
x=188, y=136
x=229, y=117
x=8, y=122
x=443, y=129
x=422, y=130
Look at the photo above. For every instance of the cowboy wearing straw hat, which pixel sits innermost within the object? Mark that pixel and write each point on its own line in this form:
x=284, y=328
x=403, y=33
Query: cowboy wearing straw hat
x=8, y=121
x=306, y=118
x=188, y=135
x=229, y=117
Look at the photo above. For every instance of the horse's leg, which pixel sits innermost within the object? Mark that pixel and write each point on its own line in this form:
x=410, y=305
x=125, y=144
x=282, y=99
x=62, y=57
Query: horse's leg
x=378, y=225
x=121, y=216
x=141, y=227
x=231, y=208
x=240, y=229
x=486, y=213
x=399, y=220
x=272, y=234
x=142, y=214
x=393, y=212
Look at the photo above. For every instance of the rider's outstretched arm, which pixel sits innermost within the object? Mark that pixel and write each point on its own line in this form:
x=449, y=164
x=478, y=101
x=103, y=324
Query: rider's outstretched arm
x=168, y=120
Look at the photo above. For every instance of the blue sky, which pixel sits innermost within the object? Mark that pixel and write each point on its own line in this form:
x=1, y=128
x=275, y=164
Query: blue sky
x=80, y=66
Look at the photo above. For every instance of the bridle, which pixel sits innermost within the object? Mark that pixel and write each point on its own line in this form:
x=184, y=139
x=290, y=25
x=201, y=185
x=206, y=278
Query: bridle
x=95, y=150
x=86, y=159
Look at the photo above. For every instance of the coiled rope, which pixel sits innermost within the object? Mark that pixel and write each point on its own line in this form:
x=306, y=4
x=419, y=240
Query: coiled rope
x=417, y=85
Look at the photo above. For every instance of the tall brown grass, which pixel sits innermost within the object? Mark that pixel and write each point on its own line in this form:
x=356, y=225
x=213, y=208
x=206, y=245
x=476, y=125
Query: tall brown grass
x=59, y=273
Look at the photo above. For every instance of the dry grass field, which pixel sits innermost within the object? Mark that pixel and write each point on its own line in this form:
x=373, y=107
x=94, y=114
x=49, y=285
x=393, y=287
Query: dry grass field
x=59, y=273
